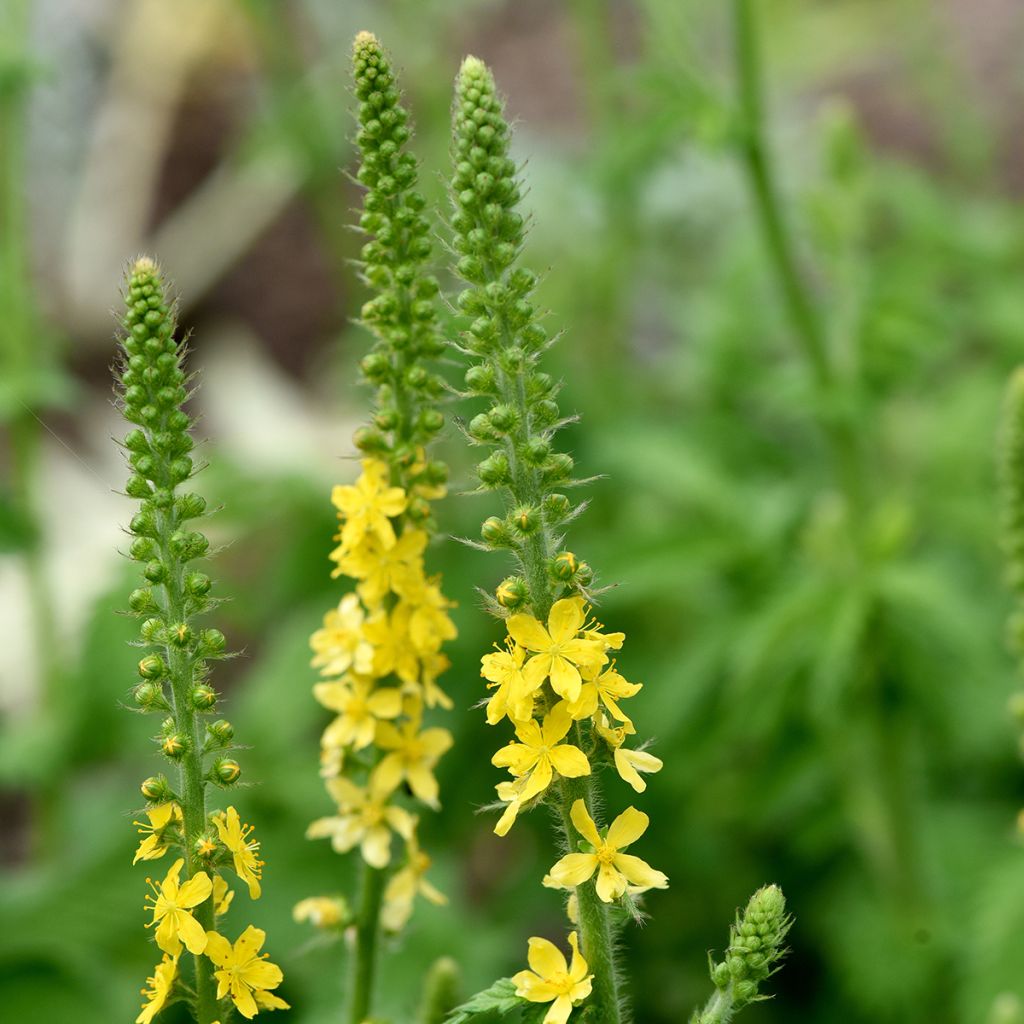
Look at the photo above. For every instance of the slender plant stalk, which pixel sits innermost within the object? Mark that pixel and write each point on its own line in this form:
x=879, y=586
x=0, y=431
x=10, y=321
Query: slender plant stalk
x=364, y=960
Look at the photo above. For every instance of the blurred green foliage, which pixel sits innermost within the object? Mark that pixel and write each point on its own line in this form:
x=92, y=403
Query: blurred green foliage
x=831, y=713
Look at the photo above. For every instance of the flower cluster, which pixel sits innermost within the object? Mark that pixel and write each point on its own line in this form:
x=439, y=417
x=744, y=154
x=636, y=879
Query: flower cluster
x=554, y=676
x=379, y=652
x=187, y=904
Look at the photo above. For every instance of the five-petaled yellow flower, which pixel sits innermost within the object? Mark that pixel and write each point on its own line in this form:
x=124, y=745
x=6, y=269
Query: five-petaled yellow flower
x=365, y=819
x=161, y=818
x=235, y=836
x=551, y=980
x=606, y=689
x=341, y=644
x=540, y=753
x=558, y=651
x=158, y=988
x=628, y=763
x=359, y=707
x=615, y=870
x=403, y=886
x=172, y=910
x=243, y=973
x=367, y=506
x=383, y=569
x=411, y=756
x=513, y=695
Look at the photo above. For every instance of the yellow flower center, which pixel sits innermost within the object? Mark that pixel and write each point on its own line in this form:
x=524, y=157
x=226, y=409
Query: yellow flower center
x=605, y=854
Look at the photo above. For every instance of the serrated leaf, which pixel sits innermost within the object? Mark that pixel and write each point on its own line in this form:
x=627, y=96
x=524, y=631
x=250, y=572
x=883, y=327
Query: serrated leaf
x=499, y=999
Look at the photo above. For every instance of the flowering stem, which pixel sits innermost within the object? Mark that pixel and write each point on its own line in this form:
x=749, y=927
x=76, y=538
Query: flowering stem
x=364, y=963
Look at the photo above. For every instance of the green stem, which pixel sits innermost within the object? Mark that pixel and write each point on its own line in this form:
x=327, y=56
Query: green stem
x=718, y=1009
x=364, y=963
x=778, y=242
x=192, y=781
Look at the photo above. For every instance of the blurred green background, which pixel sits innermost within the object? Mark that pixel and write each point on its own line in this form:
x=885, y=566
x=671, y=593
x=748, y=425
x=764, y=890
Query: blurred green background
x=824, y=664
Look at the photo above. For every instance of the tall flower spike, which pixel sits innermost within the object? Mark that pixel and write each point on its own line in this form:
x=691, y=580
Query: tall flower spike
x=1011, y=480
x=756, y=945
x=175, y=668
x=379, y=652
x=552, y=677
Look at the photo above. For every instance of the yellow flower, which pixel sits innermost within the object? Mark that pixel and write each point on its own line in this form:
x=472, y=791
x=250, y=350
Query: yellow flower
x=341, y=645
x=222, y=896
x=512, y=696
x=161, y=818
x=429, y=624
x=628, y=763
x=551, y=980
x=158, y=988
x=412, y=756
x=321, y=911
x=510, y=793
x=365, y=819
x=433, y=665
x=393, y=650
x=403, y=886
x=540, y=753
x=172, y=905
x=558, y=651
x=243, y=972
x=607, y=689
x=368, y=506
x=615, y=870
x=359, y=708
x=382, y=570
x=235, y=836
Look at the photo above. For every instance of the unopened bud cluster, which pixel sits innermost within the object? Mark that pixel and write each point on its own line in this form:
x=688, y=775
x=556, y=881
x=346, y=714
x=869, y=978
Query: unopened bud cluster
x=173, y=673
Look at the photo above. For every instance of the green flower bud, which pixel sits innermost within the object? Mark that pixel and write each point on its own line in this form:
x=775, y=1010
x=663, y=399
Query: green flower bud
x=190, y=506
x=180, y=635
x=494, y=470
x=563, y=566
x=197, y=584
x=370, y=441
x=174, y=746
x=141, y=601
x=495, y=533
x=155, y=571
x=156, y=789
x=149, y=696
x=584, y=574
x=557, y=468
x=225, y=771
x=212, y=643
x=204, y=697
x=526, y=520
x=556, y=509
x=152, y=667
x=219, y=734
x=480, y=379
x=512, y=593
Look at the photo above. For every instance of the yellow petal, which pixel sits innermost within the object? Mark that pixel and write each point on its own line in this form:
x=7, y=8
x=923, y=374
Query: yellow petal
x=423, y=784
x=565, y=619
x=574, y=869
x=536, y=990
x=528, y=633
x=639, y=872
x=545, y=958
x=627, y=828
x=569, y=761
x=584, y=823
x=565, y=679
x=387, y=776
x=218, y=949
x=539, y=780
x=195, y=890
x=191, y=932
x=557, y=722
x=241, y=996
x=610, y=883
x=376, y=846
x=578, y=968
x=560, y=1010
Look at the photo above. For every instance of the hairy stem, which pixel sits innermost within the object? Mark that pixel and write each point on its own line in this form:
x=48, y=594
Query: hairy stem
x=364, y=962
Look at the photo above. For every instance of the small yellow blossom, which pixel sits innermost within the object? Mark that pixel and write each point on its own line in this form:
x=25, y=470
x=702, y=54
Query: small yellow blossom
x=222, y=896
x=608, y=689
x=540, y=753
x=403, y=887
x=161, y=818
x=513, y=695
x=615, y=870
x=432, y=666
x=429, y=624
x=628, y=763
x=360, y=707
x=411, y=756
x=172, y=905
x=558, y=652
x=382, y=570
x=243, y=973
x=552, y=980
x=364, y=819
x=235, y=836
x=340, y=645
x=368, y=506
x=510, y=793
x=321, y=911
x=393, y=650
x=158, y=988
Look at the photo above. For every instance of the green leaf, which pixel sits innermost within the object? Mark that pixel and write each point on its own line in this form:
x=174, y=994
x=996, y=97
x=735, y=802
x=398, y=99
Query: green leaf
x=499, y=999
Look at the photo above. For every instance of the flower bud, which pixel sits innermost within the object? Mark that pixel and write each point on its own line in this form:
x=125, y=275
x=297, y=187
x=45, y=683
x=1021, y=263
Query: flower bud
x=152, y=667
x=556, y=508
x=480, y=379
x=212, y=643
x=156, y=789
x=494, y=470
x=225, y=771
x=557, y=468
x=149, y=696
x=495, y=533
x=512, y=593
x=181, y=635
x=563, y=566
x=370, y=441
x=155, y=571
x=152, y=630
x=526, y=520
x=503, y=418
x=418, y=509
x=584, y=574
x=480, y=428
x=219, y=734
x=190, y=505
x=205, y=846
x=174, y=746
x=141, y=601
x=197, y=584
x=204, y=697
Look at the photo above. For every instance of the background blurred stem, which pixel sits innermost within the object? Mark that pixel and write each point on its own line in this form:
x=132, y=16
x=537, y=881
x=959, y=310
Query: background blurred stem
x=364, y=961
x=22, y=334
